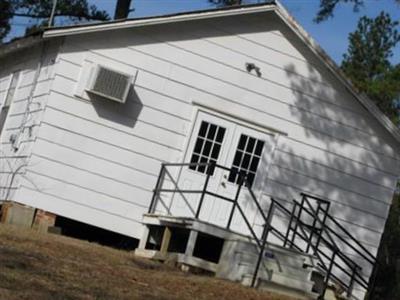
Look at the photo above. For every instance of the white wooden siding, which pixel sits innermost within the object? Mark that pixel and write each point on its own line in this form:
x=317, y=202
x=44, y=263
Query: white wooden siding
x=79, y=209
x=330, y=150
x=97, y=162
x=222, y=90
x=26, y=62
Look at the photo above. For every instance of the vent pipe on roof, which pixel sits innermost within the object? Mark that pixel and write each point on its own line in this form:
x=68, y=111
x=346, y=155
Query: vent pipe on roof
x=122, y=9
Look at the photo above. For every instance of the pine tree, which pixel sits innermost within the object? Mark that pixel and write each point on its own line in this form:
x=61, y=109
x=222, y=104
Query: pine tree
x=367, y=62
x=327, y=7
x=68, y=10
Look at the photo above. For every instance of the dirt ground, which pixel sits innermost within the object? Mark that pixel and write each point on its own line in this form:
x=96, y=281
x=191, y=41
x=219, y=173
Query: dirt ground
x=46, y=266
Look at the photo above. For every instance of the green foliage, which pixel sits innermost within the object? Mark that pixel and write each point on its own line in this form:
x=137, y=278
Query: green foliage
x=5, y=15
x=387, y=285
x=367, y=62
x=327, y=7
x=71, y=10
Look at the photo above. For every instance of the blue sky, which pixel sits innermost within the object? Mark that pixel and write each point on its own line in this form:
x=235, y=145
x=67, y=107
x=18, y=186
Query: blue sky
x=332, y=35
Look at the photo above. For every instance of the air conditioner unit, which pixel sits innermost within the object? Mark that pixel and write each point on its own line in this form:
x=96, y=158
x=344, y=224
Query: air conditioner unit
x=109, y=84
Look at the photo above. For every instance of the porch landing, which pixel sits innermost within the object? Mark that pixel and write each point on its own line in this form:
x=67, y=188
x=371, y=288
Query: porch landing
x=198, y=245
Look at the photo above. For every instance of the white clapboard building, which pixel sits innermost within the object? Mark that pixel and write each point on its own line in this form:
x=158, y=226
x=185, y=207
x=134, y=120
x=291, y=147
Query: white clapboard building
x=256, y=132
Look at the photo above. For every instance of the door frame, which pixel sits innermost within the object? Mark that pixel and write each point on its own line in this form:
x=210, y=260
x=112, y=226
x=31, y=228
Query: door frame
x=198, y=107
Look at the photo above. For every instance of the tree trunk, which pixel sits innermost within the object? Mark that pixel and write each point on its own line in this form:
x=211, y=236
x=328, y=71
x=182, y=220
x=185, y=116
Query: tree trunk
x=122, y=9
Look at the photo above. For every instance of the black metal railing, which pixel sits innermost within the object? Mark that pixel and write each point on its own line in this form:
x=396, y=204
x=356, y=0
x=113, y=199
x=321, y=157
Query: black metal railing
x=330, y=237
x=210, y=167
x=326, y=243
x=242, y=182
x=318, y=237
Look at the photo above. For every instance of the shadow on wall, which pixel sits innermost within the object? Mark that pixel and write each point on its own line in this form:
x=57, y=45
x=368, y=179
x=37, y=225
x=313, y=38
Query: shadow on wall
x=352, y=182
x=125, y=114
x=336, y=125
x=355, y=186
x=297, y=167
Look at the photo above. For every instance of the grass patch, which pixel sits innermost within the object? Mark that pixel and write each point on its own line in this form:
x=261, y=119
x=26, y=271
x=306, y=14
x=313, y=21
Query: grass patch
x=45, y=266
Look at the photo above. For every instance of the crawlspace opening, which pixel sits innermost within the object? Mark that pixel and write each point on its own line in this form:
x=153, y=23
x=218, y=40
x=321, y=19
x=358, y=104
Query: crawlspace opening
x=319, y=282
x=155, y=237
x=208, y=247
x=177, y=243
x=179, y=239
x=95, y=234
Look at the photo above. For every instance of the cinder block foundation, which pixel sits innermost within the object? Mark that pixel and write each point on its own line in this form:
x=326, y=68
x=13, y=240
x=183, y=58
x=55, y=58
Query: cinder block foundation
x=17, y=214
x=21, y=215
x=43, y=220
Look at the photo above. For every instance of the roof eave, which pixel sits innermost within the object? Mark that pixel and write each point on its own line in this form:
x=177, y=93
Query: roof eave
x=20, y=44
x=90, y=28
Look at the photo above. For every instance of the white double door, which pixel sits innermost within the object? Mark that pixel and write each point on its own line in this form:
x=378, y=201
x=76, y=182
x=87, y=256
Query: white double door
x=235, y=146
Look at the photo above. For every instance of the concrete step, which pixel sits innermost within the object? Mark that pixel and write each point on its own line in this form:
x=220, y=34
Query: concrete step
x=282, y=269
x=194, y=224
x=177, y=257
x=281, y=286
x=278, y=258
x=303, y=284
x=268, y=267
x=295, y=256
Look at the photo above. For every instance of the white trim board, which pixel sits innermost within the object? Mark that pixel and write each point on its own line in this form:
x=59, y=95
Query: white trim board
x=237, y=119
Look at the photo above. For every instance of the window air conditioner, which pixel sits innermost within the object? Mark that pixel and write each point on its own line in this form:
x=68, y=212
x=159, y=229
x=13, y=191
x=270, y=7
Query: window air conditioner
x=109, y=84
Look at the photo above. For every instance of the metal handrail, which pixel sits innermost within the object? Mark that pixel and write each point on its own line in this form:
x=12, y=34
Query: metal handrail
x=203, y=192
x=355, y=275
x=356, y=269
x=330, y=242
x=371, y=258
x=268, y=228
x=319, y=253
x=322, y=264
x=330, y=230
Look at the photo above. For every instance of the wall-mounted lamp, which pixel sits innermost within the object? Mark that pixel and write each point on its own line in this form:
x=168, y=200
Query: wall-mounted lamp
x=251, y=66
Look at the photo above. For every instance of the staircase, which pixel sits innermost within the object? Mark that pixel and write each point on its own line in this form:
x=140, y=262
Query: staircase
x=307, y=258
x=282, y=270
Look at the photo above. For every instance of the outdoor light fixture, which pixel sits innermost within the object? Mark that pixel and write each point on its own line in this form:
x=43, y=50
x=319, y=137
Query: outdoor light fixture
x=251, y=66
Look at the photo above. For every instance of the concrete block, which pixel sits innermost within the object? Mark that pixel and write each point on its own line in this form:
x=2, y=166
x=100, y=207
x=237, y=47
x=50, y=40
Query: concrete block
x=227, y=262
x=191, y=243
x=269, y=267
x=43, y=220
x=287, y=290
x=330, y=295
x=17, y=214
x=196, y=262
x=166, y=240
x=150, y=254
x=54, y=230
x=145, y=236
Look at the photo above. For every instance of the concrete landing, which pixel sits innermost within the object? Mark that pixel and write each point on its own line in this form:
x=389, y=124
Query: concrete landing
x=197, y=244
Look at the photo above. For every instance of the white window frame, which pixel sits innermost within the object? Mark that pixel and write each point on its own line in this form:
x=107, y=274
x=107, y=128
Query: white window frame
x=6, y=96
